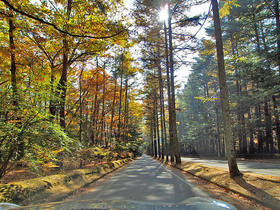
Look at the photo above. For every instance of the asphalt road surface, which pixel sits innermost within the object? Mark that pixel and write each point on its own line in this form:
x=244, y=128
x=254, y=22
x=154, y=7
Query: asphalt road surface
x=244, y=166
x=146, y=180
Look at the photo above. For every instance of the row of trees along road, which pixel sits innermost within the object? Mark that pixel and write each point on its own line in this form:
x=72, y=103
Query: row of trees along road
x=158, y=63
x=66, y=80
x=248, y=63
x=251, y=46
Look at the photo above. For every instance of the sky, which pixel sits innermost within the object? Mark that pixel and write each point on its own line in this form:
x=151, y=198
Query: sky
x=183, y=73
x=128, y=3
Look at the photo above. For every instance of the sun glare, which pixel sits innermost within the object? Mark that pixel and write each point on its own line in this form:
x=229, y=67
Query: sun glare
x=163, y=14
x=128, y=3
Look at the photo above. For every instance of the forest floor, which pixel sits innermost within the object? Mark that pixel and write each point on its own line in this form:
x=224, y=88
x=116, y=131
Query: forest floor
x=264, y=189
x=21, y=173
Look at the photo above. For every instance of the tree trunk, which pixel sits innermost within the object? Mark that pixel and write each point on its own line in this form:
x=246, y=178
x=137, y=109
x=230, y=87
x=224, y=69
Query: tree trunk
x=120, y=101
x=103, y=138
x=162, y=114
x=230, y=150
x=251, y=131
x=168, y=150
x=96, y=108
x=268, y=131
x=276, y=113
x=218, y=133
x=15, y=96
x=63, y=78
x=113, y=108
x=81, y=103
x=277, y=33
x=53, y=105
x=174, y=139
x=155, y=128
x=126, y=110
x=152, y=151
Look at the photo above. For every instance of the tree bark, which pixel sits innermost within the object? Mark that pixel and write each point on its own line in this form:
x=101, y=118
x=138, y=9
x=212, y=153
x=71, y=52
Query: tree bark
x=103, y=137
x=277, y=18
x=63, y=78
x=230, y=150
x=174, y=143
x=276, y=113
x=162, y=114
x=81, y=103
x=155, y=128
x=96, y=108
x=126, y=104
x=120, y=101
x=15, y=96
x=113, y=108
x=168, y=150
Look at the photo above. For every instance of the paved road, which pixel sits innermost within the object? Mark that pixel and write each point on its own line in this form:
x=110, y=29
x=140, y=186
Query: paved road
x=245, y=166
x=146, y=180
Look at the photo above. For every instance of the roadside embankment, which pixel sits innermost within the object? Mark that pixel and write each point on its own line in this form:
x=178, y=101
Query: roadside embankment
x=262, y=188
x=55, y=187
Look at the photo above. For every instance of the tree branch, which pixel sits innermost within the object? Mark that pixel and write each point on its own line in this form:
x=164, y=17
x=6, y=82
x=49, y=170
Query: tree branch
x=56, y=28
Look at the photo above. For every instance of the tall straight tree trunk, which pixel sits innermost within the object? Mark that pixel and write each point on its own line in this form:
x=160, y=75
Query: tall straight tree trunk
x=96, y=108
x=241, y=121
x=276, y=113
x=81, y=103
x=251, y=134
x=155, y=128
x=260, y=135
x=152, y=151
x=259, y=129
x=113, y=108
x=277, y=18
x=120, y=101
x=52, y=93
x=63, y=79
x=162, y=114
x=103, y=139
x=218, y=133
x=168, y=151
x=230, y=150
x=268, y=121
x=240, y=113
x=268, y=131
x=19, y=147
x=174, y=143
x=126, y=110
x=15, y=96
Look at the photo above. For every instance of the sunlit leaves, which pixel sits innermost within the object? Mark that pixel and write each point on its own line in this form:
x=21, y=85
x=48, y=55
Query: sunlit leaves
x=228, y=4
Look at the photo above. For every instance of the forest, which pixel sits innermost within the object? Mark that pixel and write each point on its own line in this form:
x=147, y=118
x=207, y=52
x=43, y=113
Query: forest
x=229, y=105
x=93, y=75
x=251, y=46
x=67, y=83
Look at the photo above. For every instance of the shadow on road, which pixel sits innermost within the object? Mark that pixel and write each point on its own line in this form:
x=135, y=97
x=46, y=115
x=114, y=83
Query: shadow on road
x=145, y=180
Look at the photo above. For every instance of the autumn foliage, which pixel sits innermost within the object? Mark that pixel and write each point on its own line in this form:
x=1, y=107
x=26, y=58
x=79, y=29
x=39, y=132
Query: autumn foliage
x=65, y=82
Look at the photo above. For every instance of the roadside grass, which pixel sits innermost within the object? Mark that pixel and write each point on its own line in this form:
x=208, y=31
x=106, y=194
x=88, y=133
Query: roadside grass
x=55, y=187
x=262, y=188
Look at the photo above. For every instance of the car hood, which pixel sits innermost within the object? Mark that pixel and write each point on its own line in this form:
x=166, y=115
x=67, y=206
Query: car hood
x=191, y=203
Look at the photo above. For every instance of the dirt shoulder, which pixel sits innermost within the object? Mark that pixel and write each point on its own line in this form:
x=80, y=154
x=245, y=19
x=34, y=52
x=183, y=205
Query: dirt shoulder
x=262, y=188
x=55, y=187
